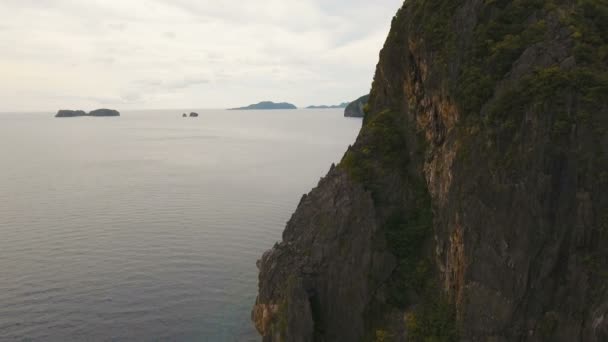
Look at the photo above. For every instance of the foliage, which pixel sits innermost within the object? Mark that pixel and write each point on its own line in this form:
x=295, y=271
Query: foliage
x=385, y=148
x=383, y=336
x=503, y=33
x=433, y=321
x=382, y=152
x=434, y=25
x=406, y=233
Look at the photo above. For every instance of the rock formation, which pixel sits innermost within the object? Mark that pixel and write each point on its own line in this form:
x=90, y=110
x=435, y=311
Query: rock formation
x=74, y=113
x=356, y=109
x=473, y=205
x=341, y=105
x=64, y=113
x=194, y=115
x=267, y=105
x=104, y=112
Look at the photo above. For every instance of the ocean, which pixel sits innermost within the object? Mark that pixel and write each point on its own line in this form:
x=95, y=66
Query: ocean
x=147, y=227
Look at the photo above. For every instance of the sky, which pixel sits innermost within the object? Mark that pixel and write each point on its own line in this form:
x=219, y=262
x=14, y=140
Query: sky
x=160, y=54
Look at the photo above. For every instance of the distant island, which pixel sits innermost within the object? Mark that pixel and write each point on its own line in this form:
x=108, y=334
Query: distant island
x=266, y=105
x=341, y=105
x=63, y=113
x=356, y=109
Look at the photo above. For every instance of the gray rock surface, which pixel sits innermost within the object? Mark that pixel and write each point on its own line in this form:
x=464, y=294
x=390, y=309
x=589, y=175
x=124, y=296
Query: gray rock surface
x=497, y=111
x=329, y=240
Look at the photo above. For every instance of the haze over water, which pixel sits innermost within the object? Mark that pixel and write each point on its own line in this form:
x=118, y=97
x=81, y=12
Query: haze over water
x=148, y=226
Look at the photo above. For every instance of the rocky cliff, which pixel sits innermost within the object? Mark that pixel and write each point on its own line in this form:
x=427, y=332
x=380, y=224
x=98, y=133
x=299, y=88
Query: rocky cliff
x=356, y=109
x=473, y=205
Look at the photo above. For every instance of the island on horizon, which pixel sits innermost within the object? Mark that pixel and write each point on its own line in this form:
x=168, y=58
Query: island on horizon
x=267, y=105
x=64, y=113
x=339, y=106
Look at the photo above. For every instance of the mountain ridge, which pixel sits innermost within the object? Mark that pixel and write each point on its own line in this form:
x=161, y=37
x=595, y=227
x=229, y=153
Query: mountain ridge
x=267, y=105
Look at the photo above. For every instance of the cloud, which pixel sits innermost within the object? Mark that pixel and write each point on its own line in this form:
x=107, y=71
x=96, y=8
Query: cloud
x=176, y=53
x=131, y=97
x=170, y=85
x=169, y=35
x=187, y=82
x=117, y=26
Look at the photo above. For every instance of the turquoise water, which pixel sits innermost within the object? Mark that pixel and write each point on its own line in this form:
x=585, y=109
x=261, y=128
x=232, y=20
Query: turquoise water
x=147, y=227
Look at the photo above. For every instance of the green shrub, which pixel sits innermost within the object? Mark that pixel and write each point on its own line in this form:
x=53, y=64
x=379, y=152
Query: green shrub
x=499, y=40
x=433, y=321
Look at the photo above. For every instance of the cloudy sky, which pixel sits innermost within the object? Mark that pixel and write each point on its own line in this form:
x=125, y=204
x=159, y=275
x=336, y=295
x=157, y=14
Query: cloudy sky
x=141, y=54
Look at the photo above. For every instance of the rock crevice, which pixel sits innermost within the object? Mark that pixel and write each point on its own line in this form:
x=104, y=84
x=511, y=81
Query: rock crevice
x=473, y=204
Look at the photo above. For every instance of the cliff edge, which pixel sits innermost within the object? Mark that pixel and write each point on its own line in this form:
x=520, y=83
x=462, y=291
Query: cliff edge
x=356, y=109
x=473, y=205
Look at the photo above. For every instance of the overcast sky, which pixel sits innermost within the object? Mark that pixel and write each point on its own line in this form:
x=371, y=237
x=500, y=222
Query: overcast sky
x=141, y=54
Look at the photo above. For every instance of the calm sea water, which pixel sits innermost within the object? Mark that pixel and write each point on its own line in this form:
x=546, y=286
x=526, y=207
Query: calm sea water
x=147, y=227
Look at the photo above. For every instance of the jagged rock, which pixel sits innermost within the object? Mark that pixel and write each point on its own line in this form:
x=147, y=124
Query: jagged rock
x=356, y=109
x=63, y=113
x=306, y=279
x=473, y=205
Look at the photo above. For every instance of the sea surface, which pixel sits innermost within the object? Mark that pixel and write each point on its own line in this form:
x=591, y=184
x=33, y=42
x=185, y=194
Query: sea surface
x=147, y=227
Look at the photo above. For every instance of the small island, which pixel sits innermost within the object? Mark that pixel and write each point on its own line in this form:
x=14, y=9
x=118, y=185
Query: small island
x=267, y=105
x=341, y=105
x=63, y=113
x=356, y=109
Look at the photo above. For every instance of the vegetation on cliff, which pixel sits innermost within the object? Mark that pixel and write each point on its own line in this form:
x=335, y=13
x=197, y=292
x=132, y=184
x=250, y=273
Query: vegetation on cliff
x=481, y=167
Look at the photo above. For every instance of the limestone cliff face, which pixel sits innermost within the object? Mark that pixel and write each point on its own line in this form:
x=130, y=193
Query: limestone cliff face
x=473, y=205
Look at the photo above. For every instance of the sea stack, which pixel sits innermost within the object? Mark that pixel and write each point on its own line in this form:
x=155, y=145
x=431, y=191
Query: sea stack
x=64, y=113
x=104, y=112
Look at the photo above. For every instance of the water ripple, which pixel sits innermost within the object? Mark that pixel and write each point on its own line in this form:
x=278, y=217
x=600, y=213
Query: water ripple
x=147, y=228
